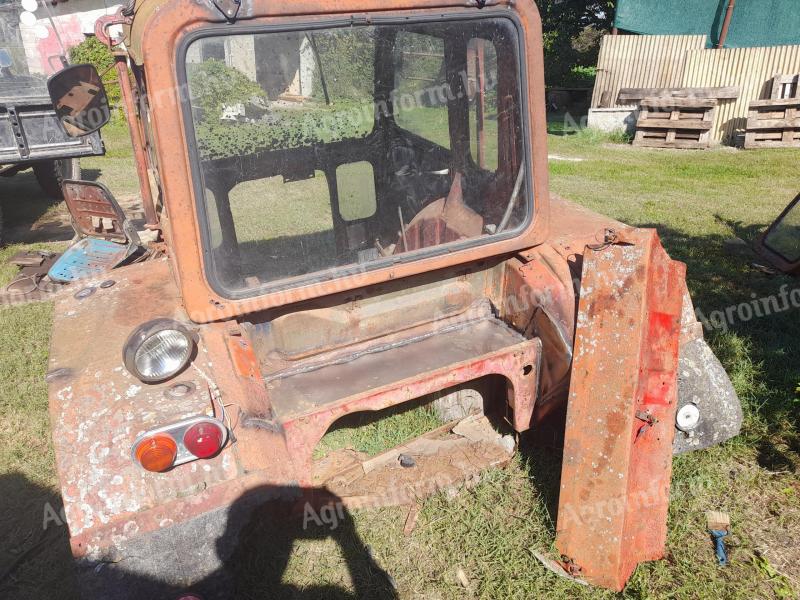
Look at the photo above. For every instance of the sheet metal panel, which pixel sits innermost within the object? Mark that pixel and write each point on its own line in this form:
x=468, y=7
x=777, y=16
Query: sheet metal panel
x=620, y=426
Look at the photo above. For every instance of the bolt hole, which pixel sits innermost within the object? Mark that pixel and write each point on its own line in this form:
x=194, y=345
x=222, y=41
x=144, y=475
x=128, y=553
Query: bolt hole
x=527, y=370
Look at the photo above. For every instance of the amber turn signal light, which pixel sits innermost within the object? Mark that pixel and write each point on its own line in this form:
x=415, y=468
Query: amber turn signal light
x=157, y=453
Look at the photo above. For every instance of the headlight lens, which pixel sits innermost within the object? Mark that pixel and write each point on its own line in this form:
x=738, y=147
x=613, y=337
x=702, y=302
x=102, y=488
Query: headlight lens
x=158, y=350
x=163, y=354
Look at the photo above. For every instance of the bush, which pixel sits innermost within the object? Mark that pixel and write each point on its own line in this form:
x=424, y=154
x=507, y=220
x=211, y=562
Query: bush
x=580, y=77
x=214, y=85
x=94, y=52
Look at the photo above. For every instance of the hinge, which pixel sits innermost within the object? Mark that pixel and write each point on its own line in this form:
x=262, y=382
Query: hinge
x=228, y=8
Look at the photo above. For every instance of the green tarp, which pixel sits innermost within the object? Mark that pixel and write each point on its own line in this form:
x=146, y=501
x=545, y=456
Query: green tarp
x=754, y=23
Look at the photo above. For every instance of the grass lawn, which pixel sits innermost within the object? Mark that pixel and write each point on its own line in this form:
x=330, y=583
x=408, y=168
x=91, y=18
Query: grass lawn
x=481, y=544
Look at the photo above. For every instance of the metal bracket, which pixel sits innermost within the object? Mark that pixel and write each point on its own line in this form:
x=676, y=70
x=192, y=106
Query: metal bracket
x=648, y=419
x=19, y=133
x=228, y=8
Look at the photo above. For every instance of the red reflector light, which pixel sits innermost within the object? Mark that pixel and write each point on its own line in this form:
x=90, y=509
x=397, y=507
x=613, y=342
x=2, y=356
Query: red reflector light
x=157, y=453
x=203, y=440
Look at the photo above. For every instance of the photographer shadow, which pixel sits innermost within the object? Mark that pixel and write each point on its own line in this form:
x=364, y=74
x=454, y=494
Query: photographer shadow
x=259, y=556
x=249, y=558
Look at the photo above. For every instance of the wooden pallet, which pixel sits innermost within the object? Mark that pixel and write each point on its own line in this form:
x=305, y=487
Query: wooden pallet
x=785, y=86
x=634, y=95
x=773, y=124
x=683, y=123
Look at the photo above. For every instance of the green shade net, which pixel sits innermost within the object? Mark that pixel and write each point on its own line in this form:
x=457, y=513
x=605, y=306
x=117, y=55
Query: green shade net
x=754, y=23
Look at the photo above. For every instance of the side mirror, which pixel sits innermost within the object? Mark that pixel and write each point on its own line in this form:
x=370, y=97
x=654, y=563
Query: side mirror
x=79, y=99
x=5, y=59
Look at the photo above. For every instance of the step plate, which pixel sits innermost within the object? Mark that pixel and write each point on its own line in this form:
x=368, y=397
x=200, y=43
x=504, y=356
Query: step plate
x=88, y=258
x=309, y=391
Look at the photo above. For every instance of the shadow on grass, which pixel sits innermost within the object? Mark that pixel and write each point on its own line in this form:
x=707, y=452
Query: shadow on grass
x=35, y=556
x=557, y=126
x=543, y=464
x=24, y=205
x=247, y=557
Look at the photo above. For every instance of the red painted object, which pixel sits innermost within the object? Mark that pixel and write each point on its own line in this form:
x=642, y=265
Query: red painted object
x=620, y=418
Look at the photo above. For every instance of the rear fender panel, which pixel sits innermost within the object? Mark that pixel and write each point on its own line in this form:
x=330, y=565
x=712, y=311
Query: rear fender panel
x=622, y=404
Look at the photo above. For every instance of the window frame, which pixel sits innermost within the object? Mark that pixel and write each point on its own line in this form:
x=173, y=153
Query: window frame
x=340, y=272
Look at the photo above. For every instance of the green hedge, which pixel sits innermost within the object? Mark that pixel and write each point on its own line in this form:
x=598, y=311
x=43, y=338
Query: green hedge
x=214, y=85
x=286, y=129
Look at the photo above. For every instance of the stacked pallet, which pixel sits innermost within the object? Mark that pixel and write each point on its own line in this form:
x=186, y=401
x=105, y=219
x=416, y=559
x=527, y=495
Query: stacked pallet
x=775, y=123
x=671, y=122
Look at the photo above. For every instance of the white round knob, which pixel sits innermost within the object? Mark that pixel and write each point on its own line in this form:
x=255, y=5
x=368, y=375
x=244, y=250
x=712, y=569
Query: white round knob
x=688, y=417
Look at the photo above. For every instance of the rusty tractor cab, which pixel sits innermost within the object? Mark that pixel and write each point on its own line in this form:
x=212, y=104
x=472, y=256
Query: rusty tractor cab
x=355, y=210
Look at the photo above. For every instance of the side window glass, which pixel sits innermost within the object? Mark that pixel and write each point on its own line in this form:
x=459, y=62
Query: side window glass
x=282, y=227
x=420, y=89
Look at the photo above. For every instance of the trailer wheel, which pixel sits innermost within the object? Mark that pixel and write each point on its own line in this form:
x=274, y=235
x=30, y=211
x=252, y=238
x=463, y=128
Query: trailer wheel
x=51, y=173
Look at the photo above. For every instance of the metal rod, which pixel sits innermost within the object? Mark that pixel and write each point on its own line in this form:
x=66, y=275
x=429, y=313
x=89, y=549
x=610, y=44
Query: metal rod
x=723, y=36
x=64, y=61
x=403, y=229
x=512, y=203
x=480, y=104
x=137, y=141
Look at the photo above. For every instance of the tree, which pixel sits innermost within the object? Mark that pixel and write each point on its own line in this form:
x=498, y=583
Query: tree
x=572, y=32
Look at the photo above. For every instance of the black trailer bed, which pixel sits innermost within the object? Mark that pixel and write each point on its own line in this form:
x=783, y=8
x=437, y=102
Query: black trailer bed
x=30, y=131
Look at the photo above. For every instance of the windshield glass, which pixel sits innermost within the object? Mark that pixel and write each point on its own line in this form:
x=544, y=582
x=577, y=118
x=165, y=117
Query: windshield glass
x=355, y=146
x=15, y=77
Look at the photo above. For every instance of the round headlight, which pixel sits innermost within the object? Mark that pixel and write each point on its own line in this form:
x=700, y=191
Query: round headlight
x=158, y=350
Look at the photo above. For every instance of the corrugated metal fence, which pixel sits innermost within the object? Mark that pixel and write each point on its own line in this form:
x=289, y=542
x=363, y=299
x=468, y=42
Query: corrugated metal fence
x=751, y=69
x=683, y=61
x=641, y=61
